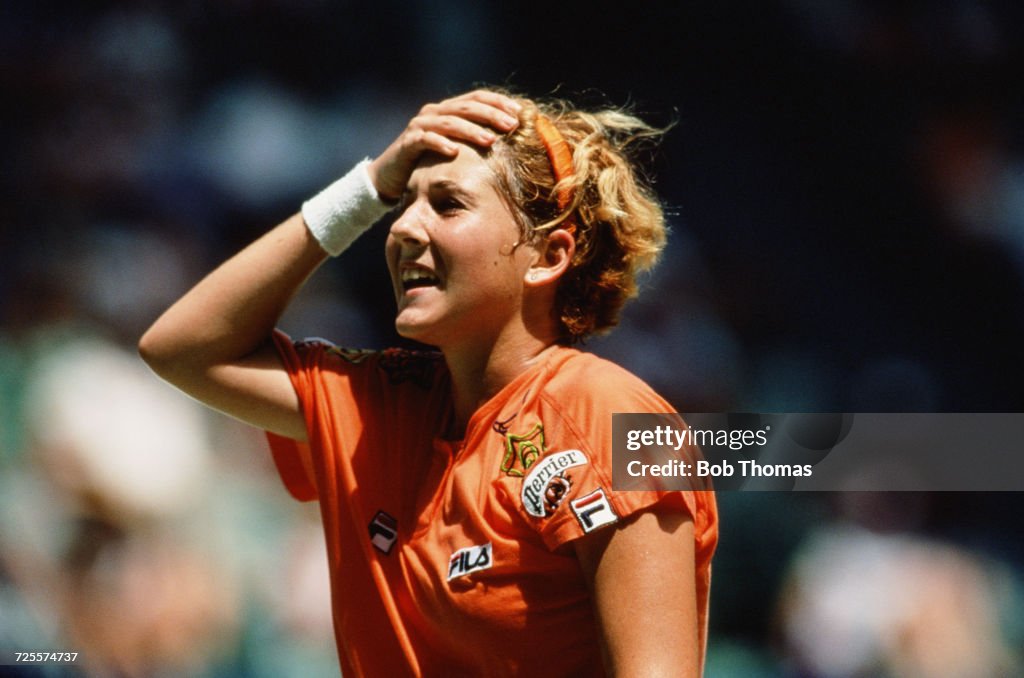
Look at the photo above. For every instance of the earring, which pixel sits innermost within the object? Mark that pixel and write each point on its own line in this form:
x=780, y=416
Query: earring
x=533, y=275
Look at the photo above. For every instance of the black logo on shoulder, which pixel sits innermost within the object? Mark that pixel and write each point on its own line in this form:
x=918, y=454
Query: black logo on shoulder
x=419, y=367
x=352, y=355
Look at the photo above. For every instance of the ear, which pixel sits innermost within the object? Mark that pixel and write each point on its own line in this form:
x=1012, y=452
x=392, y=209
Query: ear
x=554, y=255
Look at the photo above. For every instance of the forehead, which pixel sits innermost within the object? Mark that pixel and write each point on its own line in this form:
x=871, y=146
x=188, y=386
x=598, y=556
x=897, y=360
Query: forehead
x=468, y=170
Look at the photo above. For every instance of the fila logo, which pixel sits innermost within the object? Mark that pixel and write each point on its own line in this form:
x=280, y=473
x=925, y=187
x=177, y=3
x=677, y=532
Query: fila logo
x=548, y=470
x=383, y=532
x=471, y=559
x=593, y=510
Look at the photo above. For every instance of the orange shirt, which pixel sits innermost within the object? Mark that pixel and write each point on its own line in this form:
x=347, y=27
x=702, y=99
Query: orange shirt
x=453, y=558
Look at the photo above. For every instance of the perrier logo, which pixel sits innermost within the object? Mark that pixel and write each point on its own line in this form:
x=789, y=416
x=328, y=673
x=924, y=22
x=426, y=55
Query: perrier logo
x=522, y=451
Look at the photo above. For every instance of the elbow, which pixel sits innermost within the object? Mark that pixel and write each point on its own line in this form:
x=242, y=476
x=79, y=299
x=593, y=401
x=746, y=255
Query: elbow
x=157, y=351
x=149, y=349
x=170, y=361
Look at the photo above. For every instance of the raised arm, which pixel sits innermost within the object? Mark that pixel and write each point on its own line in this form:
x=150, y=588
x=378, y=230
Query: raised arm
x=215, y=342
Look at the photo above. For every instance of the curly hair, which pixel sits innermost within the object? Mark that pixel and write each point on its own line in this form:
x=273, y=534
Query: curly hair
x=620, y=226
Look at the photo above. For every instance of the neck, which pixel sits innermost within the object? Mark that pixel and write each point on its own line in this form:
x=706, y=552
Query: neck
x=478, y=374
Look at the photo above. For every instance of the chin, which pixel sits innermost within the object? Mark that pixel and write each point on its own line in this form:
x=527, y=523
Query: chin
x=416, y=331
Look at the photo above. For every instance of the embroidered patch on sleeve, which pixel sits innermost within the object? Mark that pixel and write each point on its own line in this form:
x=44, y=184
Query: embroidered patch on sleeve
x=545, y=486
x=593, y=510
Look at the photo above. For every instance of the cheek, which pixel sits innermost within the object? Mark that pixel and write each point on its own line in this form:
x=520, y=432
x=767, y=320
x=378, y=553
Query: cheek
x=391, y=256
x=391, y=253
x=496, y=265
x=488, y=258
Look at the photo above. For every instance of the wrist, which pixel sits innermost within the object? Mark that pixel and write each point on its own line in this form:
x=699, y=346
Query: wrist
x=344, y=210
x=372, y=172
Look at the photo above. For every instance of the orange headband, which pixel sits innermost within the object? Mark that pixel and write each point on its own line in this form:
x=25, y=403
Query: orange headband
x=561, y=162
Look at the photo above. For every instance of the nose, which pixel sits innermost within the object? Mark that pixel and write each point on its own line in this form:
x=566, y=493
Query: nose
x=409, y=227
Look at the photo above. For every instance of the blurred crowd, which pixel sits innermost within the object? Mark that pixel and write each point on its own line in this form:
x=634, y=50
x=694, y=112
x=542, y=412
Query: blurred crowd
x=845, y=182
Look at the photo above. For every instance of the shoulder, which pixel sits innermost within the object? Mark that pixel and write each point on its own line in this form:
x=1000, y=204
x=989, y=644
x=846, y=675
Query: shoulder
x=584, y=380
x=395, y=366
x=421, y=368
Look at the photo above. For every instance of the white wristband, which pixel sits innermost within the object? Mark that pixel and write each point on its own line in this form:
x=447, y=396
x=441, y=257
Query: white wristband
x=339, y=214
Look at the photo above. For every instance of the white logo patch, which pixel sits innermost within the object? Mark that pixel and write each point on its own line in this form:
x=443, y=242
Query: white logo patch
x=593, y=510
x=536, y=481
x=383, y=532
x=471, y=559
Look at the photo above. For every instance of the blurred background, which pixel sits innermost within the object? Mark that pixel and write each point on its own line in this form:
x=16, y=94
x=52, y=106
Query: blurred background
x=846, y=186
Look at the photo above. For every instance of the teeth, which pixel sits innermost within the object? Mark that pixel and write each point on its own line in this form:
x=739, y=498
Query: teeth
x=417, y=274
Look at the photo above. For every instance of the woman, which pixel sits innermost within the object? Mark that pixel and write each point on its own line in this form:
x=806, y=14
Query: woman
x=471, y=524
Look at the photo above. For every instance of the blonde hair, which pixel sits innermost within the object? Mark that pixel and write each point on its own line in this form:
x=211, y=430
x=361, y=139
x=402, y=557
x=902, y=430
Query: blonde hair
x=620, y=226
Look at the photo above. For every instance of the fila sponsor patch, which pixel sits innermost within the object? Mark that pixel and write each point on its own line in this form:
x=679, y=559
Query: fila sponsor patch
x=593, y=510
x=470, y=559
x=383, y=532
x=546, y=473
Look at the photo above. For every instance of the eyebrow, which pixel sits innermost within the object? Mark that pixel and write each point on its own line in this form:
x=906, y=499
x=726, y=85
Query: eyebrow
x=450, y=186
x=439, y=185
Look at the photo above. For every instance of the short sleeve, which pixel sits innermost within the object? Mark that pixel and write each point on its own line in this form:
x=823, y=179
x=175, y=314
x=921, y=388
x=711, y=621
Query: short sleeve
x=568, y=493
x=292, y=458
x=351, y=399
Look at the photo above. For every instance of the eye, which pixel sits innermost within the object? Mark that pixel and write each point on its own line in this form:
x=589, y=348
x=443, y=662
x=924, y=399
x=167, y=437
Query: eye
x=448, y=204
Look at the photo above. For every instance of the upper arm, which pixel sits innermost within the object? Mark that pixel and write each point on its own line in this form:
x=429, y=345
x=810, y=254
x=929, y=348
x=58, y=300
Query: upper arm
x=258, y=390
x=255, y=389
x=642, y=578
x=215, y=343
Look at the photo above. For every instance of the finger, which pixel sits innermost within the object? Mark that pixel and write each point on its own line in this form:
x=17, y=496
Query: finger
x=504, y=102
x=457, y=128
x=481, y=112
x=391, y=169
x=438, y=143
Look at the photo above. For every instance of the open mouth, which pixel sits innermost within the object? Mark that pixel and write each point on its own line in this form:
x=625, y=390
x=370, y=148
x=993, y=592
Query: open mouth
x=418, y=277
